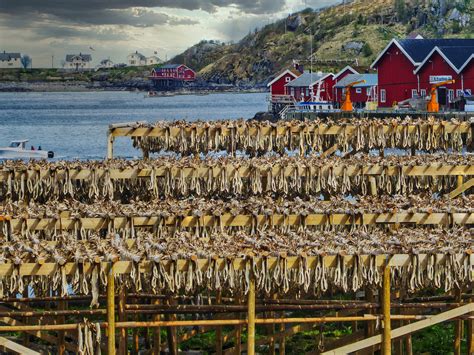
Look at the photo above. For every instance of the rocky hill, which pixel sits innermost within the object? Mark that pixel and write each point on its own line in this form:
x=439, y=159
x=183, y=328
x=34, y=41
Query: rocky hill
x=354, y=31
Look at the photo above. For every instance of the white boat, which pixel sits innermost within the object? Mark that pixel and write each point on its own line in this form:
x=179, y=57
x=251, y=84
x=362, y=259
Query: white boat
x=17, y=150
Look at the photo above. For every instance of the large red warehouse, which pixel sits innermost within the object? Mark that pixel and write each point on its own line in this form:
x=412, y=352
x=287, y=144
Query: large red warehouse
x=407, y=68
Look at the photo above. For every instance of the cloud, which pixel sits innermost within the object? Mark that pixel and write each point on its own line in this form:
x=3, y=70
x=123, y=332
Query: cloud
x=100, y=34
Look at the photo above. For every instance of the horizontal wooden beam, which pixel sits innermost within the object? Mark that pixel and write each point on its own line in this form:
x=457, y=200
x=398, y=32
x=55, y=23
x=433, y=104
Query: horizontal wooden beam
x=467, y=185
x=11, y=346
x=229, y=220
x=293, y=262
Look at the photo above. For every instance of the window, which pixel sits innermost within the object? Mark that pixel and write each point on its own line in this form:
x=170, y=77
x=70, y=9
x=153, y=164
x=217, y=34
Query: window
x=359, y=91
x=383, y=95
x=288, y=79
x=423, y=92
x=414, y=93
x=292, y=91
x=451, y=95
x=459, y=93
x=307, y=92
x=468, y=91
x=368, y=91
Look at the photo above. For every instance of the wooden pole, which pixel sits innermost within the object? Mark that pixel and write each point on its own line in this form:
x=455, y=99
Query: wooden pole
x=370, y=326
x=282, y=345
x=387, y=328
x=238, y=333
x=251, y=317
x=110, y=145
x=111, y=311
x=171, y=332
x=61, y=334
x=122, y=318
x=157, y=332
x=458, y=324
x=219, y=344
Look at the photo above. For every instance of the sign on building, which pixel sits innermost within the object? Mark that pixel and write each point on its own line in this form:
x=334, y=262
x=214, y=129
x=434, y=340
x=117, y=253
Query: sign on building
x=439, y=78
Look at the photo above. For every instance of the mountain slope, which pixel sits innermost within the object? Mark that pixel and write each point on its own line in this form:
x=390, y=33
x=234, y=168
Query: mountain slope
x=355, y=31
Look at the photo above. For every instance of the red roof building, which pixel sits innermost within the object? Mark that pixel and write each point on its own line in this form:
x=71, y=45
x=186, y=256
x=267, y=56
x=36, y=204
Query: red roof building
x=171, y=76
x=407, y=68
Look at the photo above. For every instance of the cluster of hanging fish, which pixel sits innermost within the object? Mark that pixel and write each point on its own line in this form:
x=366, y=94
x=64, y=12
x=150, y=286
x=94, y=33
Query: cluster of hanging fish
x=237, y=177
x=261, y=137
x=158, y=270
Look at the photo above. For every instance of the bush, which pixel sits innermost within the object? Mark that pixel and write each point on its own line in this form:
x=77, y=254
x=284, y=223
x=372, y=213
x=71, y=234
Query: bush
x=366, y=50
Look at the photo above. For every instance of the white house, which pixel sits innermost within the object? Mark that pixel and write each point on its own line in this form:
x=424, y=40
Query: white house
x=105, y=63
x=136, y=59
x=78, y=61
x=10, y=60
x=153, y=60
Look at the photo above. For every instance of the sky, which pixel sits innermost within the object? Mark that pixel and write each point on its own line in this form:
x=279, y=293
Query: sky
x=47, y=30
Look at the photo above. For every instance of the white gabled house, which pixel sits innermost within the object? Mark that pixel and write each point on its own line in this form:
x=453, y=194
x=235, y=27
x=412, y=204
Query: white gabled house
x=78, y=62
x=10, y=60
x=136, y=59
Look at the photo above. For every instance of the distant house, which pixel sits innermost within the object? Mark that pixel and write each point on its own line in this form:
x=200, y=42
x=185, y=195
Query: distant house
x=153, y=60
x=78, y=61
x=105, y=63
x=171, y=76
x=277, y=85
x=136, y=59
x=339, y=76
x=360, y=93
x=10, y=60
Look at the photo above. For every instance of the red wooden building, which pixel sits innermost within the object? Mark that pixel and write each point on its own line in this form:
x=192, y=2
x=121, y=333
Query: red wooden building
x=306, y=86
x=277, y=85
x=171, y=76
x=407, y=68
x=339, y=76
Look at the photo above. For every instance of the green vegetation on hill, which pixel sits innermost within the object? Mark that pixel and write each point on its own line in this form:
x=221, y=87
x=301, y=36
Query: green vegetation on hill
x=359, y=30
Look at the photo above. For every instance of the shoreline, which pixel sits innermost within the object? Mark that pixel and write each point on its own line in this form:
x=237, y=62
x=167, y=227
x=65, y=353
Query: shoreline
x=77, y=86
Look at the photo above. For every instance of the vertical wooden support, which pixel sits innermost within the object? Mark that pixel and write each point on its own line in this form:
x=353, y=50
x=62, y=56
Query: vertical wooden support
x=238, y=332
x=26, y=336
x=61, y=334
x=219, y=344
x=251, y=317
x=282, y=345
x=460, y=181
x=470, y=336
x=111, y=311
x=369, y=325
x=458, y=325
x=156, y=332
x=372, y=186
x=387, y=327
x=110, y=145
x=122, y=318
x=136, y=337
x=171, y=332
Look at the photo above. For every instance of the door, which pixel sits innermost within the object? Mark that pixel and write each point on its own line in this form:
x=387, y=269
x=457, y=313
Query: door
x=442, y=96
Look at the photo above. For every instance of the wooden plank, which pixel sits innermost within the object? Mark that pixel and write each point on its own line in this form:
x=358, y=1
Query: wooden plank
x=16, y=348
x=404, y=330
x=459, y=190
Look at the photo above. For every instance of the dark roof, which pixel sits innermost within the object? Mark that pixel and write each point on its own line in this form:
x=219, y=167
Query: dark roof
x=85, y=57
x=170, y=66
x=370, y=80
x=141, y=56
x=418, y=49
x=8, y=56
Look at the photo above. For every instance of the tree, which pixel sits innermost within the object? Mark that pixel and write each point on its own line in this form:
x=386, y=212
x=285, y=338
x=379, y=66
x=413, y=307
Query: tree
x=25, y=61
x=366, y=50
x=400, y=9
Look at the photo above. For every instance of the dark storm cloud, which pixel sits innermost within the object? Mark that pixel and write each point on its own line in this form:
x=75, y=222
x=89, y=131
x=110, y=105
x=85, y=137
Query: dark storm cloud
x=94, y=8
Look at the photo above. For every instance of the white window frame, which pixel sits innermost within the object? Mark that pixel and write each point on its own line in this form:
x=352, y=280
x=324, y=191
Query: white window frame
x=287, y=79
x=307, y=92
x=383, y=95
x=368, y=91
x=358, y=90
x=423, y=92
x=292, y=91
x=451, y=95
x=459, y=93
x=414, y=93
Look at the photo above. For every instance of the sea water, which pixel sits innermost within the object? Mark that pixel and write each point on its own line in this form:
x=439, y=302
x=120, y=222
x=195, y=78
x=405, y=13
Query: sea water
x=74, y=124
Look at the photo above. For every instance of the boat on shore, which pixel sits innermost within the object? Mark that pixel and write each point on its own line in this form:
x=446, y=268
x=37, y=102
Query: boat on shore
x=17, y=150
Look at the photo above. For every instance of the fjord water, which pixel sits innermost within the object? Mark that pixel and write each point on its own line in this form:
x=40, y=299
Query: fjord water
x=74, y=124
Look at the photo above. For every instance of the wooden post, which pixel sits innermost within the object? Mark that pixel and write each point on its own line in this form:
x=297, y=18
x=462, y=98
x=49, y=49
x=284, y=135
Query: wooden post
x=110, y=145
x=111, y=311
x=219, y=344
x=122, y=318
x=460, y=181
x=62, y=333
x=458, y=324
x=156, y=332
x=171, y=331
x=372, y=186
x=387, y=328
x=282, y=345
x=369, y=326
x=251, y=317
x=238, y=332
